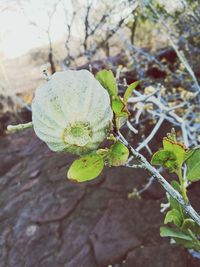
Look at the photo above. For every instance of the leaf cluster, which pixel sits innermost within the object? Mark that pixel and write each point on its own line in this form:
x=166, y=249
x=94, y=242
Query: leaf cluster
x=90, y=166
x=118, y=104
x=172, y=156
x=183, y=229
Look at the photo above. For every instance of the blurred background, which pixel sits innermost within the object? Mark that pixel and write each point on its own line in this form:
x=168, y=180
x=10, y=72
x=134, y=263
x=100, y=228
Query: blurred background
x=138, y=38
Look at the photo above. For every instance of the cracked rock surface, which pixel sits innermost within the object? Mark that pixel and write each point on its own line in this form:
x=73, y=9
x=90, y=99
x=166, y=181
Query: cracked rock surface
x=46, y=220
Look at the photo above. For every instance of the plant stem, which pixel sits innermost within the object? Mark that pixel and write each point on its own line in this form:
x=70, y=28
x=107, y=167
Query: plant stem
x=183, y=188
x=19, y=127
x=175, y=194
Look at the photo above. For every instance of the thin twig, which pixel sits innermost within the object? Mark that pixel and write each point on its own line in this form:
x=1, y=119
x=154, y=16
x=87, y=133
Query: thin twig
x=180, y=54
x=152, y=134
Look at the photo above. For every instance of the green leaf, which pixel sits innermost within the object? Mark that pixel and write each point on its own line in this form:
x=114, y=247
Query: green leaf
x=166, y=159
x=176, y=186
x=191, y=234
x=173, y=216
x=174, y=203
x=129, y=91
x=118, y=154
x=119, y=108
x=86, y=168
x=193, y=166
x=178, y=149
x=169, y=232
x=188, y=223
x=107, y=80
x=189, y=153
x=188, y=243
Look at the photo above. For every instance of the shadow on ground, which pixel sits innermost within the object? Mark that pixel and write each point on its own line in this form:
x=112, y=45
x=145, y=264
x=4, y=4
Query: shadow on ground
x=45, y=220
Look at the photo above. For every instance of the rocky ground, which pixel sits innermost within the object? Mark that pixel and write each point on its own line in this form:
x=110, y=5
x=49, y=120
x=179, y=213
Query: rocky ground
x=46, y=220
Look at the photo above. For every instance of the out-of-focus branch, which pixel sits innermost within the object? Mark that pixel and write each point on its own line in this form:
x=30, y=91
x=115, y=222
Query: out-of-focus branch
x=87, y=26
x=179, y=53
x=152, y=134
x=69, y=23
x=47, y=31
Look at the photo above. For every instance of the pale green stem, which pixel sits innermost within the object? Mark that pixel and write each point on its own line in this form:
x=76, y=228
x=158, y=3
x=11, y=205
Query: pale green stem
x=19, y=127
x=183, y=188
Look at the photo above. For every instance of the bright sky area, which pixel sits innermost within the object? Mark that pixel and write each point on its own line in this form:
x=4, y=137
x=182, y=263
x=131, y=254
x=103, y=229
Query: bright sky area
x=17, y=35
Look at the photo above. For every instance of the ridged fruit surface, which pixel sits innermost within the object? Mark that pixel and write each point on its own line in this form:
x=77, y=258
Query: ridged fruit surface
x=71, y=112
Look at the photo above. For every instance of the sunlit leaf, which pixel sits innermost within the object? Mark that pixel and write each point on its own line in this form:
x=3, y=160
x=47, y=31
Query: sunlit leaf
x=86, y=168
x=166, y=159
x=107, y=80
x=173, y=216
x=169, y=232
x=193, y=166
x=118, y=154
x=189, y=153
x=119, y=108
x=178, y=149
x=129, y=91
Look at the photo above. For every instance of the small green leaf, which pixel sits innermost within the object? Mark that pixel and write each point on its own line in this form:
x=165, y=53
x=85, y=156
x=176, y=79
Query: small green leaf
x=193, y=166
x=86, y=168
x=118, y=154
x=107, y=80
x=129, y=91
x=169, y=232
x=119, y=108
x=178, y=149
x=166, y=159
x=173, y=216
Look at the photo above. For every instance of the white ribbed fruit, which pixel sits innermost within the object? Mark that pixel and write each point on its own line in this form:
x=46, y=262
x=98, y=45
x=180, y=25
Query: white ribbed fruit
x=72, y=112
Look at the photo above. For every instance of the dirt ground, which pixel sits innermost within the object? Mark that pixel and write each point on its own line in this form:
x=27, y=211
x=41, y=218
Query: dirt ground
x=46, y=220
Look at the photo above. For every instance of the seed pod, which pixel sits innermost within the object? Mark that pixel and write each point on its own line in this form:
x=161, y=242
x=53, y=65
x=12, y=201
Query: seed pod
x=71, y=112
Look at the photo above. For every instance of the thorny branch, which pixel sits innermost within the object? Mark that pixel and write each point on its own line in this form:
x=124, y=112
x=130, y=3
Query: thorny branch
x=100, y=27
x=153, y=171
